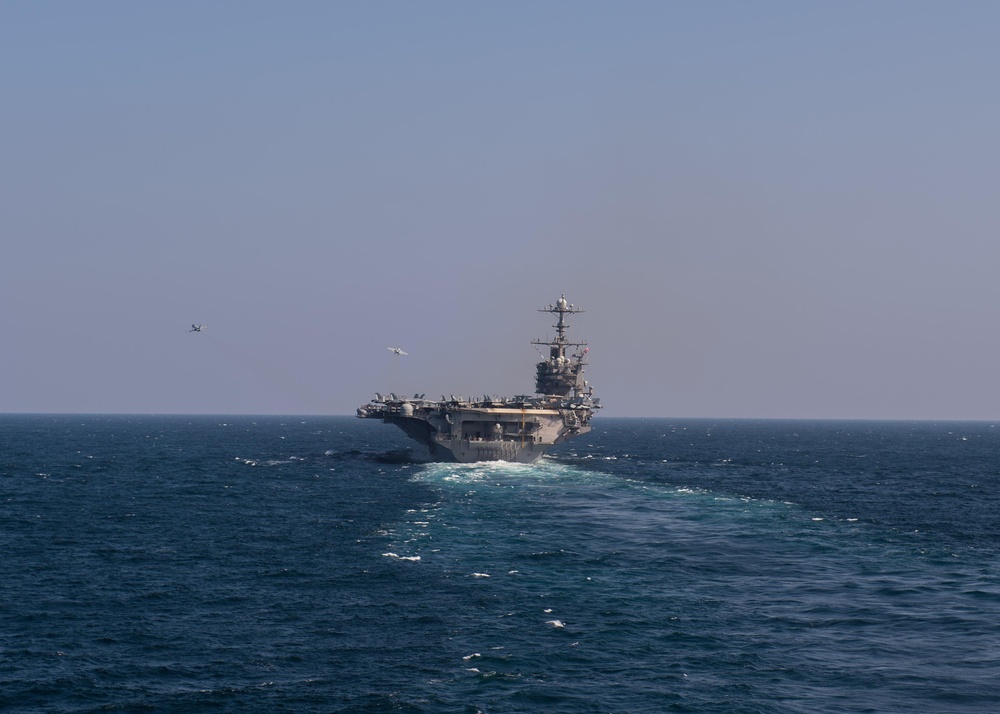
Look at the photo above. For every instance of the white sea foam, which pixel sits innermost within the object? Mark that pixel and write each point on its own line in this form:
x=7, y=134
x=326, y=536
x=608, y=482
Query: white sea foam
x=555, y=623
x=497, y=472
x=401, y=557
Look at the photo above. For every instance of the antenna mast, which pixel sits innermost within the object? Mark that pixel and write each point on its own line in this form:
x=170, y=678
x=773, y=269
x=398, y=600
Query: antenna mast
x=559, y=375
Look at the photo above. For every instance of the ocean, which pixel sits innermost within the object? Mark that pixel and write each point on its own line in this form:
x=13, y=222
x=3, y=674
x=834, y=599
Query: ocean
x=310, y=564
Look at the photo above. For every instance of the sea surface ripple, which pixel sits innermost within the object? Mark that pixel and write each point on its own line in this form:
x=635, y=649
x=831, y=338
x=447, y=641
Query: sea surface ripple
x=312, y=564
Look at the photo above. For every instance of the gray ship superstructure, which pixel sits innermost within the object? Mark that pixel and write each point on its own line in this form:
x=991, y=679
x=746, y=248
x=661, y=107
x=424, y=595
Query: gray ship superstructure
x=519, y=428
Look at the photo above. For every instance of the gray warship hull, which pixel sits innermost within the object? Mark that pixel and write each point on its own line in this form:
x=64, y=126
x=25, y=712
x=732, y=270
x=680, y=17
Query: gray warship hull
x=466, y=432
x=518, y=429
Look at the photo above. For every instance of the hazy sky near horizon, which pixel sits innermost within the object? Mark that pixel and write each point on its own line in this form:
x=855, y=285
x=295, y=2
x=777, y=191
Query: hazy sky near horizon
x=767, y=209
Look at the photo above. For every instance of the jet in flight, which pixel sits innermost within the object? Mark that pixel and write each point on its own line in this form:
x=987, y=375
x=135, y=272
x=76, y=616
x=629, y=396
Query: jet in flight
x=196, y=328
x=396, y=350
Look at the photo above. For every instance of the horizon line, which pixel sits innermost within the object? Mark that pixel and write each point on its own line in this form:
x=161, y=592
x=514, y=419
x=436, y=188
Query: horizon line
x=602, y=418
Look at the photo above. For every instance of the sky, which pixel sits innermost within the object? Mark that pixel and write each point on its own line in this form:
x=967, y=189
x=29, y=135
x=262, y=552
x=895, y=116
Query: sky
x=773, y=209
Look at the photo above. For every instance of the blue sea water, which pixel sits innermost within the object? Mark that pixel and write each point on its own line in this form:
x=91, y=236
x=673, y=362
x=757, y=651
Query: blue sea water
x=280, y=564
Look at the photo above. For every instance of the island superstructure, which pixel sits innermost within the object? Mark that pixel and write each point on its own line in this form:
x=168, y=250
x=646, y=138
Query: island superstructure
x=519, y=428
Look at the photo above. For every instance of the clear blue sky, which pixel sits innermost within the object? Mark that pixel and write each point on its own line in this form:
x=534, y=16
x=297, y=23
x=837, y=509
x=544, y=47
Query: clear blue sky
x=768, y=209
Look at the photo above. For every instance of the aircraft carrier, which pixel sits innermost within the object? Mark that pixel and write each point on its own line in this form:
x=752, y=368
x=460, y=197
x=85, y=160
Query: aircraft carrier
x=519, y=428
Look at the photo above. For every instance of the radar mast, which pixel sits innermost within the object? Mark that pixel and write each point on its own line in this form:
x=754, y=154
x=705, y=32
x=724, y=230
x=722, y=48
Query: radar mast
x=560, y=375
